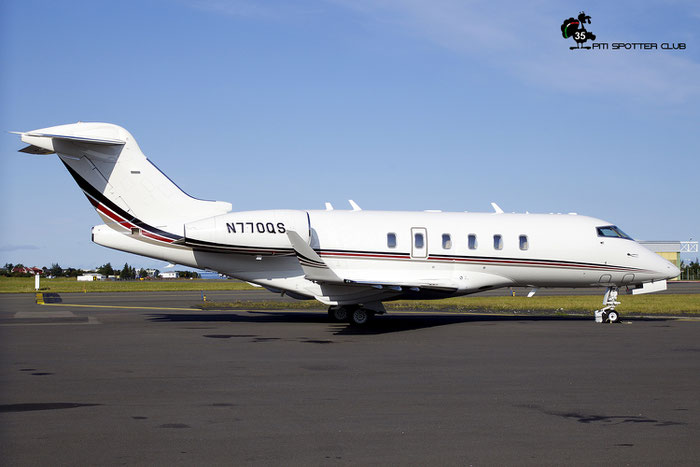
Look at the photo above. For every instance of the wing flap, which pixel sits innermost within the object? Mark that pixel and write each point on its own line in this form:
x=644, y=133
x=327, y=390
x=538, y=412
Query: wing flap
x=403, y=286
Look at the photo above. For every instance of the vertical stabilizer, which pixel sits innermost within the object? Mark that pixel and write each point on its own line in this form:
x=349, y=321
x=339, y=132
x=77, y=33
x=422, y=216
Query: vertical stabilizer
x=127, y=190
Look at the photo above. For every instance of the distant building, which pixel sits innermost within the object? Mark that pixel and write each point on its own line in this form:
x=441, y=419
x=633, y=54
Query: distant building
x=91, y=276
x=169, y=275
x=26, y=270
x=671, y=250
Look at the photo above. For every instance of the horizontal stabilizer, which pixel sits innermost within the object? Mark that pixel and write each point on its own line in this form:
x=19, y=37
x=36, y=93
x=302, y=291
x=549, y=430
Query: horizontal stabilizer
x=31, y=149
x=315, y=269
x=46, y=143
x=82, y=139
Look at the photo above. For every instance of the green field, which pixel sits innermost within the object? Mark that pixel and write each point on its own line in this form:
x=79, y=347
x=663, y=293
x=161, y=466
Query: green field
x=71, y=284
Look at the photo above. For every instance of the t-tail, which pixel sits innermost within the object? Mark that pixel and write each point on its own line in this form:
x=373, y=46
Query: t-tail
x=126, y=189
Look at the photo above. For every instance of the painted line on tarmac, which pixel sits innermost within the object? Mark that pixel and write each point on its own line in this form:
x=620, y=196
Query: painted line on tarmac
x=122, y=307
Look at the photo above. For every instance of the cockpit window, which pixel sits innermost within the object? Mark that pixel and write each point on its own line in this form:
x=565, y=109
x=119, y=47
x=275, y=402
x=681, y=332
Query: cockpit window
x=612, y=231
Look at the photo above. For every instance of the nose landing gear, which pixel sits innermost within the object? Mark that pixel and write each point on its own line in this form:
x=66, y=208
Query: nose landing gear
x=608, y=314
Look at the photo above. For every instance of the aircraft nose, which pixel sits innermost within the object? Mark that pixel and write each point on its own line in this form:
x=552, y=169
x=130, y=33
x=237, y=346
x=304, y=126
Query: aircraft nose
x=668, y=270
x=673, y=271
x=663, y=269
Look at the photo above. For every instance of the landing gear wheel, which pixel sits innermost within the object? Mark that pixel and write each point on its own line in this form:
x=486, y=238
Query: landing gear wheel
x=360, y=317
x=607, y=314
x=338, y=313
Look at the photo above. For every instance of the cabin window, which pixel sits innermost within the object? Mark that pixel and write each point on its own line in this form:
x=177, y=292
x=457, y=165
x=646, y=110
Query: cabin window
x=497, y=242
x=472, y=241
x=612, y=231
x=418, y=240
x=446, y=241
x=524, y=244
x=391, y=240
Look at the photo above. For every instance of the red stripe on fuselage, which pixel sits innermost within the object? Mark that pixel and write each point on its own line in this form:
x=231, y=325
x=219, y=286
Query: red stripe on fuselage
x=125, y=223
x=156, y=237
x=491, y=261
x=366, y=255
x=532, y=263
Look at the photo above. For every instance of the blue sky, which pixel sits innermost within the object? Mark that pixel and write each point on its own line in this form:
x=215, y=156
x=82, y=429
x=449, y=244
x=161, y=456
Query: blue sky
x=399, y=105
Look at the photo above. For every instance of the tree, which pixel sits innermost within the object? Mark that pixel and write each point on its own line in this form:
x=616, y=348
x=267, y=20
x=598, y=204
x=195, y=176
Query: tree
x=188, y=274
x=127, y=272
x=72, y=272
x=143, y=273
x=690, y=271
x=55, y=270
x=106, y=270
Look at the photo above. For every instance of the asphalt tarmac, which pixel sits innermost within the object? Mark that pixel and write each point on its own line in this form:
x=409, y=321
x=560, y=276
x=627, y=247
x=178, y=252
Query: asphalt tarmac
x=143, y=379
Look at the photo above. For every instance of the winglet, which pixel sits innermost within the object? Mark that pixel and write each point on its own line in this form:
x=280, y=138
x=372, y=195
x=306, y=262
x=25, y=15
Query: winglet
x=315, y=269
x=497, y=208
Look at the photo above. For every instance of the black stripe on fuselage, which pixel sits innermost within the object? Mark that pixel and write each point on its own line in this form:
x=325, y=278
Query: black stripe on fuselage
x=362, y=254
x=224, y=248
x=95, y=193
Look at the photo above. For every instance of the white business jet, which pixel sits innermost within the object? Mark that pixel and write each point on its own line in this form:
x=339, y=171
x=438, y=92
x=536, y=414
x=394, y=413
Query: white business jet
x=351, y=260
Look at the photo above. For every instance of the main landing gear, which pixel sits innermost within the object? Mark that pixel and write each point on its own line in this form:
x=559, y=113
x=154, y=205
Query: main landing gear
x=355, y=315
x=608, y=314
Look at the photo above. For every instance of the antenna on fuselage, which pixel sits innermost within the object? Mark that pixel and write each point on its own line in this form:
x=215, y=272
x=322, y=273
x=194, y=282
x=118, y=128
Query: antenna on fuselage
x=354, y=205
x=329, y=206
x=497, y=208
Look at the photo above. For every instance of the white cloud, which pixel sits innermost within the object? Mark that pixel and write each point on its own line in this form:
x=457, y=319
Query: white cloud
x=524, y=40
x=521, y=38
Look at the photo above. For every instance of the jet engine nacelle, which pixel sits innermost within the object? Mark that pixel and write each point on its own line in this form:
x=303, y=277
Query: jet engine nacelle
x=255, y=232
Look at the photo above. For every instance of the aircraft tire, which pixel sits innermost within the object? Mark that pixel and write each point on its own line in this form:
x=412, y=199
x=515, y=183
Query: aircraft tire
x=360, y=317
x=338, y=313
x=613, y=316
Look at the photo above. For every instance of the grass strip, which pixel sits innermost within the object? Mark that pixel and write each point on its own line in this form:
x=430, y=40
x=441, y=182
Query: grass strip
x=71, y=284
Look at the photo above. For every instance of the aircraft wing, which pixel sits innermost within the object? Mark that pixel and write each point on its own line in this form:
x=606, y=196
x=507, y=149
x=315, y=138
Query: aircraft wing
x=403, y=286
x=315, y=269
